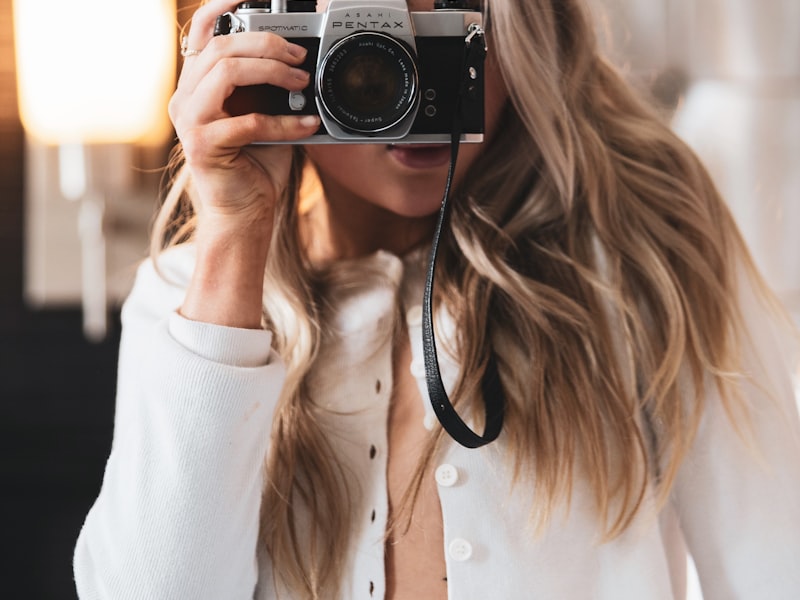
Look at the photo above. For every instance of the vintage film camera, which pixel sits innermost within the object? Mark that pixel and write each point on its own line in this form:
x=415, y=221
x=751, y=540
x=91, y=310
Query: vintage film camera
x=380, y=74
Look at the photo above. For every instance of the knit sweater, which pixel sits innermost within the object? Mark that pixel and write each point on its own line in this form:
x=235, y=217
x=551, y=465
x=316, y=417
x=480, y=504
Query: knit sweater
x=178, y=513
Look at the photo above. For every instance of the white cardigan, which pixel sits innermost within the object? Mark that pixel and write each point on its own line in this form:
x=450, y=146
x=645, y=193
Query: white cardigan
x=178, y=512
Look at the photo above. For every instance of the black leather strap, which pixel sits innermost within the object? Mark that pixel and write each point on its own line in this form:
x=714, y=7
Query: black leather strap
x=493, y=395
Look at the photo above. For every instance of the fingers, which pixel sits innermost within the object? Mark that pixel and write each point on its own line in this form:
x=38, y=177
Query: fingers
x=246, y=45
x=201, y=30
x=211, y=144
x=227, y=62
x=214, y=141
x=229, y=179
x=205, y=102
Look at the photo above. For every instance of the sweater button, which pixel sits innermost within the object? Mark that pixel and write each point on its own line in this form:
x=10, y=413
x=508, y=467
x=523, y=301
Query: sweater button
x=418, y=368
x=414, y=316
x=429, y=422
x=460, y=550
x=446, y=475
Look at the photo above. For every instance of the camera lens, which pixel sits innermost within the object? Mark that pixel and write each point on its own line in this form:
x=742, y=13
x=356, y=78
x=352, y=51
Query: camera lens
x=368, y=82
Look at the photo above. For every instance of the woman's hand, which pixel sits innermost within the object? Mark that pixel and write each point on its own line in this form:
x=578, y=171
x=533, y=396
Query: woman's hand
x=234, y=186
x=227, y=179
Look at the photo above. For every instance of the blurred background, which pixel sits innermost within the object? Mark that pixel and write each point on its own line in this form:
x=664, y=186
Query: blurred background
x=79, y=183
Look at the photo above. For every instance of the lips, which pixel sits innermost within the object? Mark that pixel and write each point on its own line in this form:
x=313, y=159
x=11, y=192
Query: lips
x=420, y=156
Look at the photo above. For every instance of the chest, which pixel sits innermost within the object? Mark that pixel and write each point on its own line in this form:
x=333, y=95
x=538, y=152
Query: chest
x=414, y=555
x=470, y=519
x=371, y=392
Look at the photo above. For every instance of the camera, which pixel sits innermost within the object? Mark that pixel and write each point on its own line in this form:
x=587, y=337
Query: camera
x=380, y=73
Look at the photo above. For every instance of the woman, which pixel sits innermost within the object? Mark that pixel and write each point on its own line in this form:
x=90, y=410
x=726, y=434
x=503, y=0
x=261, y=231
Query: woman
x=273, y=434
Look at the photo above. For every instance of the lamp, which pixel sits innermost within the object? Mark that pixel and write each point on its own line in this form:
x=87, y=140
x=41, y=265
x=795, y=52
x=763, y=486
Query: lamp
x=93, y=75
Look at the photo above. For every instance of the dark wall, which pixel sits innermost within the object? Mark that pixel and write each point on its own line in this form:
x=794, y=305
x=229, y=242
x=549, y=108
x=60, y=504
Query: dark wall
x=56, y=396
x=56, y=389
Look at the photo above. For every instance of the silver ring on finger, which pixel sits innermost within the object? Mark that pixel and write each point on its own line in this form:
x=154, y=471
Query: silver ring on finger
x=185, y=50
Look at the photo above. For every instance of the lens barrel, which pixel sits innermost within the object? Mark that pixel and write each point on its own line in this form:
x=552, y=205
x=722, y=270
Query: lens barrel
x=368, y=82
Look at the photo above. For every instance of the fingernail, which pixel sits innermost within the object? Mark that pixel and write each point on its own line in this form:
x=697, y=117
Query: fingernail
x=309, y=121
x=301, y=74
x=296, y=51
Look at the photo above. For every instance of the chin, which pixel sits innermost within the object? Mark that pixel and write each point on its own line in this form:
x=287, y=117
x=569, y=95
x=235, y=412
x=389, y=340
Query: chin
x=414, y=205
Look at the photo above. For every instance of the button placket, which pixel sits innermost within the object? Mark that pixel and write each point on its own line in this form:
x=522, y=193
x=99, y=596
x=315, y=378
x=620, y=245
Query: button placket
x=373, y=452
x=448, y=476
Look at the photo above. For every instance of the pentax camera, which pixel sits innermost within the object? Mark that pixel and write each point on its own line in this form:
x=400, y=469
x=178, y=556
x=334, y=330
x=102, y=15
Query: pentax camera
x=380, y=73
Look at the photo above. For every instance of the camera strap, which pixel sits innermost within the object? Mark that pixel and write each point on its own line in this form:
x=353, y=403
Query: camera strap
x=491, y=388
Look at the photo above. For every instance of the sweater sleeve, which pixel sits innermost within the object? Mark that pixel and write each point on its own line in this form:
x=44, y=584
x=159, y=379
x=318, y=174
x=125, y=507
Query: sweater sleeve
x=177, y=515
x=738, y=493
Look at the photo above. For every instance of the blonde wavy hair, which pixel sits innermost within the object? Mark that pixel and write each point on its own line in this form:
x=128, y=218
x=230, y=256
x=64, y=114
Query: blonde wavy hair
x=590, y=248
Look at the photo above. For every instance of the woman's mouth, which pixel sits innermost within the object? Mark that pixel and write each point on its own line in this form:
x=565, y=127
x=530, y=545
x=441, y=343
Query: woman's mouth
x=420, y=156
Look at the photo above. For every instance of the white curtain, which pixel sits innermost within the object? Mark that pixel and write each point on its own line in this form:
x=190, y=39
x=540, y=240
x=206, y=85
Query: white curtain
x=740, y=108
x=734, y=66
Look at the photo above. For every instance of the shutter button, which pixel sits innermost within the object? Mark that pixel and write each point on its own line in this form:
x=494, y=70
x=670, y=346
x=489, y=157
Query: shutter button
x=446, y=475
x=460, y=550
x=297, y=101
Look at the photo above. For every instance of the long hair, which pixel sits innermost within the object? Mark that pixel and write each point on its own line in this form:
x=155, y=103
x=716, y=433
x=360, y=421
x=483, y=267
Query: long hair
x=590, y=248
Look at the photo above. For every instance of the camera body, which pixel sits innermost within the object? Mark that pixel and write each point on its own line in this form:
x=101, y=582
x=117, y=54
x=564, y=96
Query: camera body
x=380, y=73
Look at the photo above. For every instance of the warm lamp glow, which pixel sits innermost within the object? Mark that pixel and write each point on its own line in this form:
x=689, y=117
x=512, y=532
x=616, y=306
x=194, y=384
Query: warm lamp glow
x=94, y=71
